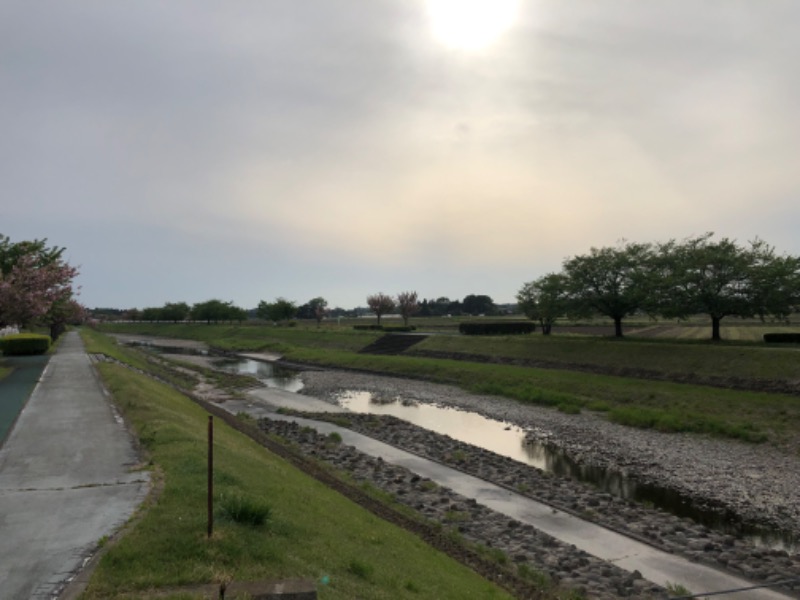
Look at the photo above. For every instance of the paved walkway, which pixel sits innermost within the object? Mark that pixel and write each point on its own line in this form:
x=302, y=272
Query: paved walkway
x=65, y=478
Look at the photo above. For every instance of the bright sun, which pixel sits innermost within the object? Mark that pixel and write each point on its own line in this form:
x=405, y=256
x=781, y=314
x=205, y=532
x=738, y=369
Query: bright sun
x=470, y=24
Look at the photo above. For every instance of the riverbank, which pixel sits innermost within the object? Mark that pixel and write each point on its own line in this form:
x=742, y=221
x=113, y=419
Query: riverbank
x=757, y=483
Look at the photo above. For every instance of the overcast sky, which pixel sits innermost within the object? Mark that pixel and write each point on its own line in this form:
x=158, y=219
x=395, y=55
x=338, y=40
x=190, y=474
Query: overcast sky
x=183, y=151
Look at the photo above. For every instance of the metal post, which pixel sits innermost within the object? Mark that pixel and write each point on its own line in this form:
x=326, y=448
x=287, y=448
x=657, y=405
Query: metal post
x=210, y=475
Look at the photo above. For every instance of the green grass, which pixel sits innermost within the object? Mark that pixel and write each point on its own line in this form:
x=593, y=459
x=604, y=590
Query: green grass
x=661, y=405
x=308, y=531
x=5, y=371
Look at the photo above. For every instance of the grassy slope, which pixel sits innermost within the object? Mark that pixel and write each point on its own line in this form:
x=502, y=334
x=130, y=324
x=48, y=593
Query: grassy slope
x=4, y=371
x=661, y=405
x=313, y=532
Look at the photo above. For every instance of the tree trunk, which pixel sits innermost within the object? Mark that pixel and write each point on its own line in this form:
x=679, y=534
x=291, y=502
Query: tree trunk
x=618, y=326
x=715, y=336
x=546, y=327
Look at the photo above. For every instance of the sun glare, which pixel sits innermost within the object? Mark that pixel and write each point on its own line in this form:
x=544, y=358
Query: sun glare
x=470, y=24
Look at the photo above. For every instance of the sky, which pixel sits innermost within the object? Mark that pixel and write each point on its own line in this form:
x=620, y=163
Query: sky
x=246, y=150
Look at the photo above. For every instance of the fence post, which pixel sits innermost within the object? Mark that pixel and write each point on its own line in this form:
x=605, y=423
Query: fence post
x=210, y=475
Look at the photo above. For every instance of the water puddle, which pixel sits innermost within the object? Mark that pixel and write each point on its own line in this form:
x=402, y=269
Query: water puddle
x=272, y=375
x=509, y=440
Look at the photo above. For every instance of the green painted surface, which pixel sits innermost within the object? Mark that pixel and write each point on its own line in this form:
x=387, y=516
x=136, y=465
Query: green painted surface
x=17, y=387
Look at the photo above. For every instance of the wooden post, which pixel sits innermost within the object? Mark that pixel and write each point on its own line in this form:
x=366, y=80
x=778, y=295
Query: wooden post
x=210, y=475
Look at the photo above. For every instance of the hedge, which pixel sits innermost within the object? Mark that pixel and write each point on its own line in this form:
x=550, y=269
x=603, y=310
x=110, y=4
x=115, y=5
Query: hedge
x=782, y=338
x=25, y=343
x=389, y=328
x=497, y=328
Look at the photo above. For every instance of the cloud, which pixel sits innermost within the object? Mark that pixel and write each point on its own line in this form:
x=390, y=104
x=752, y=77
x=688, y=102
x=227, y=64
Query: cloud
x=349, y=147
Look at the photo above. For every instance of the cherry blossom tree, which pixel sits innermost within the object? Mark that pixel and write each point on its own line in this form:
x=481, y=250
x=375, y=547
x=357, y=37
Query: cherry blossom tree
x=380, y=304
x=408, y=305
x=36, y=284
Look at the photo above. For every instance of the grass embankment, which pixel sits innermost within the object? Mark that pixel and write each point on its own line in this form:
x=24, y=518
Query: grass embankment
x=308, y=530
x=4, y=372
x=661, y=405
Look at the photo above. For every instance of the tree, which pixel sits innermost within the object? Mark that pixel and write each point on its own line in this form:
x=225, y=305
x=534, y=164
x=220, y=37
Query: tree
x=216, y=310
x=174, y=311
x=34, y=280
x=407, y=303
x=609, y=281
x=280, y=310
x=721, y=279
x=478, y=305
x=319, y=308
x=380, y=304
x=544, y=300
x=439, y=307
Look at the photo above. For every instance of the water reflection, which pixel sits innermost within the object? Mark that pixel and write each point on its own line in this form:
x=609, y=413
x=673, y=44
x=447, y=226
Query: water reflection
x=471, y=428
x=270, y=374
x=509, y=440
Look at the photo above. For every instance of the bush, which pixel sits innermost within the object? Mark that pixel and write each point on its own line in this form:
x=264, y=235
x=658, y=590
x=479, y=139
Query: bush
x=25, y=343
x=782, y=338
x=497, y=328
x=245, y=510
x=389, y=328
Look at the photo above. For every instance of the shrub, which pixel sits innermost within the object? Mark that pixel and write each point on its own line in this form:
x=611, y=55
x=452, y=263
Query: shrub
x=497, y=328
x=245, y=510
x=25, y=343
x=389, y=328
x=782, y=338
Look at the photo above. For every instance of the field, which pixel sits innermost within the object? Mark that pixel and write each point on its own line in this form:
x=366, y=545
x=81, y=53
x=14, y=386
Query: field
x=678, y=384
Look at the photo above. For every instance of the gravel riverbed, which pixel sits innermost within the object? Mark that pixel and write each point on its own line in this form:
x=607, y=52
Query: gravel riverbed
x=758, y=483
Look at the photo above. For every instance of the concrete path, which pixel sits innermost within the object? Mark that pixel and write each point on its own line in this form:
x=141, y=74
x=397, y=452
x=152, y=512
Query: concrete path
x=655, y=565
x=65, y=478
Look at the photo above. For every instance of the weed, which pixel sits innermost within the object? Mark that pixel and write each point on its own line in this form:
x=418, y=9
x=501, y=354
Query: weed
x=569, y=408
x=340, y=421
x=245, y=510
x=455, y=516
x=334, y=437
x=360, y=569
x=458, y=456
x=428, y=485
x=676, y=589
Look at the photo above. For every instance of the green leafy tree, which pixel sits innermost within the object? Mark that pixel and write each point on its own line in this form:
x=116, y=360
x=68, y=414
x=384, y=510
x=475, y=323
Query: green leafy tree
x=319, y=308
x=544, y=300
x=609, y=281
x=175, y=311
x=214, y=311
x=721, y=278
x=153, y=313
x=280, y=310
x=380, y=304
x=476, y=304
x=407, y=305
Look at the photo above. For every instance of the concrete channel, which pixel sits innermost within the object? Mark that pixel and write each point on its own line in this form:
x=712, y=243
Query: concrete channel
x=655, y=565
